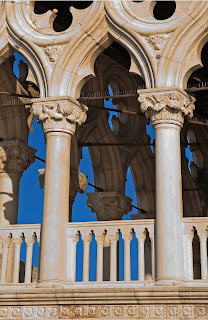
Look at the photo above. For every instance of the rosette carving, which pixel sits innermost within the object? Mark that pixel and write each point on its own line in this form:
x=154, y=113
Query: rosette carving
x=15, y=156
x=59, y=115
x=166, y=106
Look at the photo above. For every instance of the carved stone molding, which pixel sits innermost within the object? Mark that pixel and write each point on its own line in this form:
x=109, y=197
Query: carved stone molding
x=109, y=205
x=60, y=114
x=176, y=311
x=166, y=105
x=15, y=156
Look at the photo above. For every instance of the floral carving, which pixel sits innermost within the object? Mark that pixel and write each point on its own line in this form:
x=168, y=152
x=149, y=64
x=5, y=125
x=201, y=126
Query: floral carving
x=105, y=311
x=166, y=106
x=172, y=311
x=3, y=312
x=90, y=311
x=16, y=312
x=60, y=115
x=201, y=311
x=131, y=311
x=145, y=311
x=118, y=311
x=187, y=311
x=53, y=52
x=158, y=311
x=53, y=312
x=67, y=312
x=79, y=311
x=158, y=41
x=40, y=312
x=28, y=312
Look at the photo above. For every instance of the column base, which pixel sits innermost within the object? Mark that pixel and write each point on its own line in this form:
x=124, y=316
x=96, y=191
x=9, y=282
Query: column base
x=51, y=283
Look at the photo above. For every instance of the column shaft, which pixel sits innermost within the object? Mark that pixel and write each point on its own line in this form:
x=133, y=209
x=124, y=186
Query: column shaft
x=141, y=259
x=5, y=250
x=86, y=258
x=28, y=264
x=99, y=261
x=169, y=239
x=17, y=243
x=190, y=269
x=203, y=253
x=113, y=260
x=56, y=207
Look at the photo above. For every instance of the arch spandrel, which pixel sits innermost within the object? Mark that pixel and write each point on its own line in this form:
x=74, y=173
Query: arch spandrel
x=5, y=49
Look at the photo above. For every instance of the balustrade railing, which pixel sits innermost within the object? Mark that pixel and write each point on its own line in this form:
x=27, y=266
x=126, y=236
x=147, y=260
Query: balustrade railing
x=107, y=237
x=195, y=232
x=11, y=239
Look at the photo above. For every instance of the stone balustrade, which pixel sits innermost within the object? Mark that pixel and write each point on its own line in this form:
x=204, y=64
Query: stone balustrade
x=195, y=229
x=107, y=235
x=11, y=239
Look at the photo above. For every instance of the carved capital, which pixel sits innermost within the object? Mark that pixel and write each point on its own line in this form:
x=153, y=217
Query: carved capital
x=60, y=114
x=100, y=239
x=113, y=237
x=166, y=105
x=109, y=205
x=87, y=239
x=6, y=242
x=140, y=237
x=127, y=236
x=15, y=156
x=17, y=241
x=30, y=241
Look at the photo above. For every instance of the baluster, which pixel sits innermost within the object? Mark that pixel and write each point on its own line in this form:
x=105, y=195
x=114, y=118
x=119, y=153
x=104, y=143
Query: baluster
x=203, y=254
x=153, y=255
x=100, y=243
x=5, y=249
x=17, y=246
x=86, y=256
x=141, y=266
x=28, y=266
x=71, y=257
x=127, y=237
x=189, y=247
x=113, y=256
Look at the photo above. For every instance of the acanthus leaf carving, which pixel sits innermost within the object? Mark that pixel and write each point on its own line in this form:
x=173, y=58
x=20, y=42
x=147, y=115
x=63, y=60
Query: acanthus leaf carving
x=166, y=106
x=59, y=115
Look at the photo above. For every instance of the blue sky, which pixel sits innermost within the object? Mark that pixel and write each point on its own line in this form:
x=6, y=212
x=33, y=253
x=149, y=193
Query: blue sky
x=31, y=196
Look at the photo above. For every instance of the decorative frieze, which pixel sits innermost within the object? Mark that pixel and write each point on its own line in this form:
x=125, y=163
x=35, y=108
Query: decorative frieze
x=105, y=311
x=109, y=205
x=59, y=115
x=164, y=105
x=15, y=156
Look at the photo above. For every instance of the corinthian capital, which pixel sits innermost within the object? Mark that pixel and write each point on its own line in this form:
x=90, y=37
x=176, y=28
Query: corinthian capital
x=59, y=113
x=15, y=156
x=166, y=105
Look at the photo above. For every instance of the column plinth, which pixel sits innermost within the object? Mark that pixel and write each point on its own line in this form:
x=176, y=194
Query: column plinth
x=58, y=117
x=15, y=158
x=166, y=108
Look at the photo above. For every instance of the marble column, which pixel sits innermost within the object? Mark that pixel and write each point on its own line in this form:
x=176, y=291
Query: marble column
x=58, y=116
x=166, y=108
x=203, y=254
x=15, y=158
